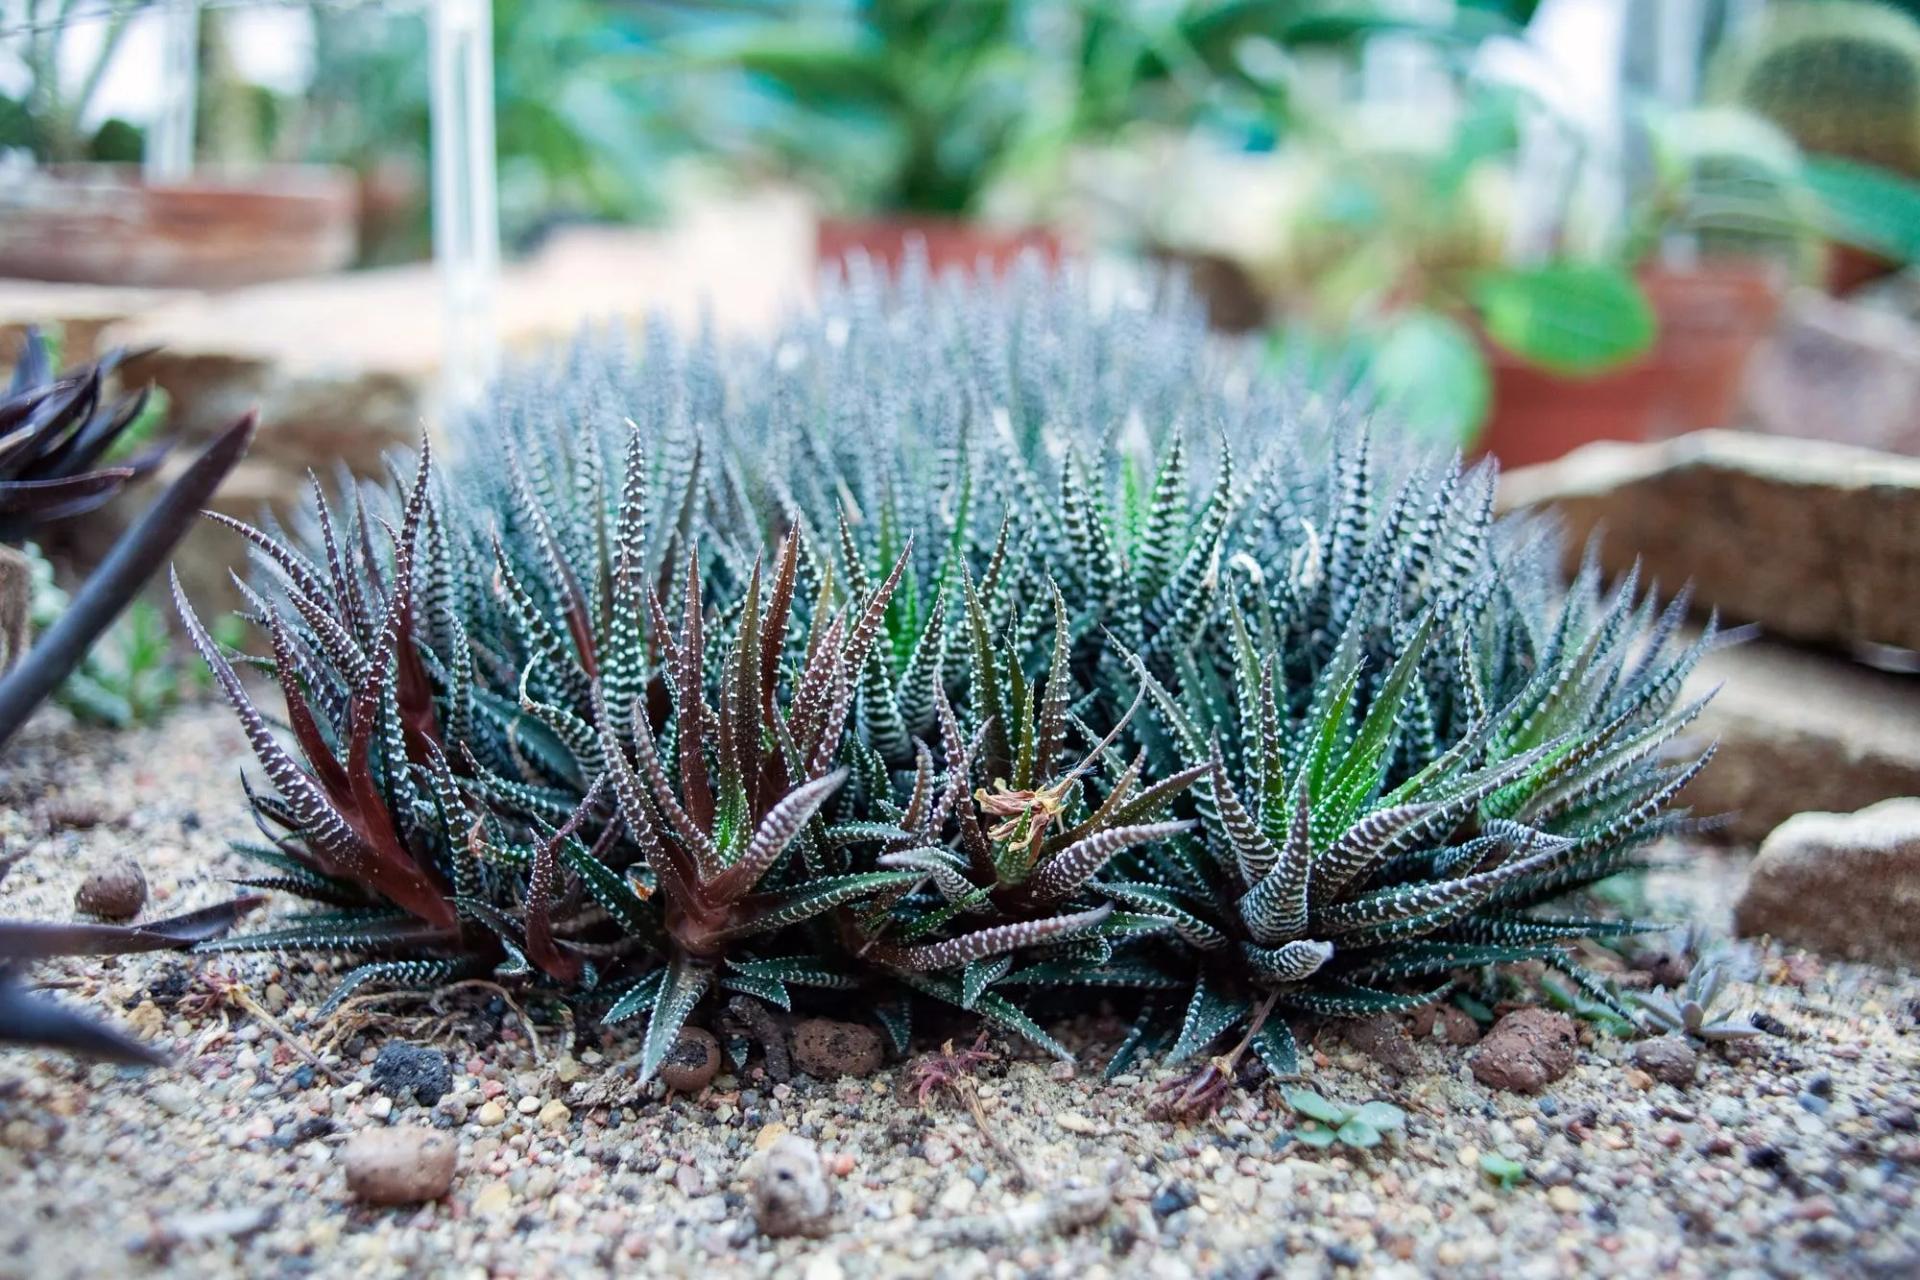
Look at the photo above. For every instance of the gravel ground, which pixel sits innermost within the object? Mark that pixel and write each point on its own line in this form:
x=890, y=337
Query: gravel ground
x=1795, y=1155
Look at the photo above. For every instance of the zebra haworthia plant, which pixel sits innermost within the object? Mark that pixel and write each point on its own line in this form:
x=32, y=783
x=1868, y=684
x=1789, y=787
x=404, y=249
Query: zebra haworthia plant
x=968, y=643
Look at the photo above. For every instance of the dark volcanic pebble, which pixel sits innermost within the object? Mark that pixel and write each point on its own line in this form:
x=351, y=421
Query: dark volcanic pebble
x=413, y=1071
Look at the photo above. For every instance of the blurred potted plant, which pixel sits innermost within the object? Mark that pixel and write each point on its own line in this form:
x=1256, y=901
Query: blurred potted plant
x=1201, y=92
x=79, y=208
x=1842, y=78
x=1395, y=249
x=903, y=114
x=1723, y=224
x=1392, y=256
x=1726, y=223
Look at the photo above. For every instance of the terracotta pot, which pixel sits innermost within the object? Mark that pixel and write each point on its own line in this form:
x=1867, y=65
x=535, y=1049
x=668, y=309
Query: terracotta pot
x=951, y=243
x=104, y=224
x=1711, y=320
x=1849, y=268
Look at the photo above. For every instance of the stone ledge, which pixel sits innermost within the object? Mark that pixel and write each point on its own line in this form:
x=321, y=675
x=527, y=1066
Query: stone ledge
x=1800, y=731
x=1814, y=541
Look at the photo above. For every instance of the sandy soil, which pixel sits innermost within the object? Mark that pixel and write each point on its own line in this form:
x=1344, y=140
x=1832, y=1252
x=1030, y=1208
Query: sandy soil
x=1797, y=1155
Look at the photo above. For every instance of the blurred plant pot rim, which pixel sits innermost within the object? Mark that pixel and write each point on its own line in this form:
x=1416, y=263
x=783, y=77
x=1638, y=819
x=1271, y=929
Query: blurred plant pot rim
x=949, y=243
x=1712, y=317
x=215, y=229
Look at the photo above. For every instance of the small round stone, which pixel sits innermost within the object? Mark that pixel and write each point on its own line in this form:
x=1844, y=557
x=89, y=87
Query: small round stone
x=789, y=1190
x=693, y=1061
x=1668, y=1059
x=824, y=1048
x=115, y=892
x=405, y=1165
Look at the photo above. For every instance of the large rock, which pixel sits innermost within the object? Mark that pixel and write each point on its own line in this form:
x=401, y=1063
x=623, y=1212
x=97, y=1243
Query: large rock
x=1843, y=370
x=1815, y=541
x=1800, y=731
x=1844, y=884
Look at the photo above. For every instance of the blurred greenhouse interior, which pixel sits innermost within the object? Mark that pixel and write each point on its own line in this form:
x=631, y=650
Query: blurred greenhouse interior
x=1523, y=224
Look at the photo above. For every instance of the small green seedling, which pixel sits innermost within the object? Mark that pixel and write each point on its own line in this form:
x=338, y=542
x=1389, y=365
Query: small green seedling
x=1504, y=1173
x=1690, y=1011
x=1326, y=1123
x=1570, y=1000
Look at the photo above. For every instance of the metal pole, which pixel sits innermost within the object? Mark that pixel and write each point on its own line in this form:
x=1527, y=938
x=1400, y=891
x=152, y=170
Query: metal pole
x=169, y=152
x=466, y=226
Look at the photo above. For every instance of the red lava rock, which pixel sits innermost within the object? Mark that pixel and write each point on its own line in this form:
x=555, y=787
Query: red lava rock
x=824, y=1048
x=693, y=1061
x=1454, y=1026
x=115, y=892
x=1526, y=1051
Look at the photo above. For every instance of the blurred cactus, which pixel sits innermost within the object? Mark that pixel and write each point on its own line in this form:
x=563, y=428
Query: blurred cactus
x=1735, y=183
x=1842, y=77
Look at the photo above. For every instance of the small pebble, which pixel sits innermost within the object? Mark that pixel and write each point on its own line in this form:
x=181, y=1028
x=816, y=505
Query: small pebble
x=692, y=1063
x=403, y=1165
x=494, y=1199
x=1171, y=1199
x=958, y=1197
x=825, y=1048
x=116, y=891
x=1564, y=1199
x=788, y=1189
x=412, y=1072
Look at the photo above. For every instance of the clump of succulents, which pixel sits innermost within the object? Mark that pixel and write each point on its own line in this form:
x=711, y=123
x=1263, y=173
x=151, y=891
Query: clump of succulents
x=967, y=642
